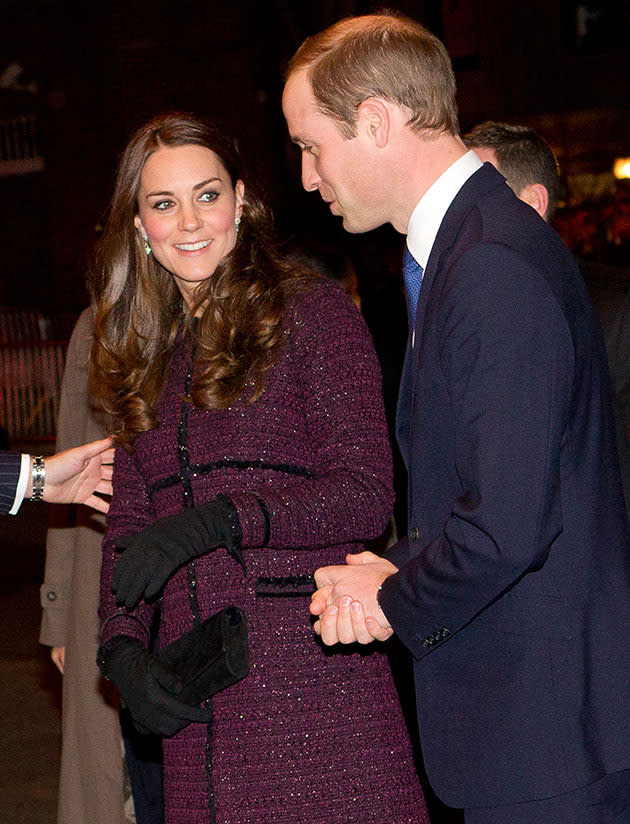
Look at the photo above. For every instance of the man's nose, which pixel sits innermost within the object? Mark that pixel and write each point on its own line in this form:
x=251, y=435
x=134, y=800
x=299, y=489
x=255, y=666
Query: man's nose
x=310, y=178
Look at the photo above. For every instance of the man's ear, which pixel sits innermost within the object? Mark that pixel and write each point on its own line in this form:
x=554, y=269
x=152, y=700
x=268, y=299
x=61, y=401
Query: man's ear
x=374, y=120
x=537, y=196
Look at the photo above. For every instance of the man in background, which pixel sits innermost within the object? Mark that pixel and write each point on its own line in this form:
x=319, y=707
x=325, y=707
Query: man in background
x=523, y=158
x=527, y=162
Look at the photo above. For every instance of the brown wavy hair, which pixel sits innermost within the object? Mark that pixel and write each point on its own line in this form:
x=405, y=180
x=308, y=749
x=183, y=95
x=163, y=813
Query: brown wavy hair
x=139, y=311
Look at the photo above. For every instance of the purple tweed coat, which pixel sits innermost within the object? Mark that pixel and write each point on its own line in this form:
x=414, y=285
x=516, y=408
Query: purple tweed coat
x=312, y=734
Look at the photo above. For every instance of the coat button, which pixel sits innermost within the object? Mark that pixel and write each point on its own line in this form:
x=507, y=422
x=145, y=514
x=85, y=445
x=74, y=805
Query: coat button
x=51, y=595
x=413, y=533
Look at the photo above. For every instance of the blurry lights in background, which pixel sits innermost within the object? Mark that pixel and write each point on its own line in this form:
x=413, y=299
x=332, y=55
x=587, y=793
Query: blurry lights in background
x=621, y=168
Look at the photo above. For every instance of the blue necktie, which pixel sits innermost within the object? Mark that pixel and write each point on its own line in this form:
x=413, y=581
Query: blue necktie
x=413, y=279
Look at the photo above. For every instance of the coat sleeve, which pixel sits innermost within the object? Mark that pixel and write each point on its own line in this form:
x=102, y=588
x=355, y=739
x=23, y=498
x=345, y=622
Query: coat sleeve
x=349, y=495
x=130, y=511
x=507, y=356
x=9, y=477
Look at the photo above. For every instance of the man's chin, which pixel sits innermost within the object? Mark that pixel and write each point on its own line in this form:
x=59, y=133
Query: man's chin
x=356, y=228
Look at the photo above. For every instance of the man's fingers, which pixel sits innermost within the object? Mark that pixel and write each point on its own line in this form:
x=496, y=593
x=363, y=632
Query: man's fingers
x=345, y=630
x=323, y=577
x=328, y=626
x=104, y=486
x=101, y=447
x=94, y=502
x=108, y=456
x=378, y=632
x=359, y=558
x=319, y=600
x=347, y=624
x=361, y=632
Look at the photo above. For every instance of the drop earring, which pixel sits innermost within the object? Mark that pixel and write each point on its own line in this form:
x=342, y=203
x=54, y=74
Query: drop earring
x=147, y=245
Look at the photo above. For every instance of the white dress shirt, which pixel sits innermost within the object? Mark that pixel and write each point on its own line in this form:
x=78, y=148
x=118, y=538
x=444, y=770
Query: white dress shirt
x=427, y=217
x=20, y=490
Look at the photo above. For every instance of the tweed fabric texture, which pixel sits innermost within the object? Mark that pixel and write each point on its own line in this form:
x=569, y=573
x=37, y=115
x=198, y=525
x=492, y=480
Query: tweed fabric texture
x=311, y=734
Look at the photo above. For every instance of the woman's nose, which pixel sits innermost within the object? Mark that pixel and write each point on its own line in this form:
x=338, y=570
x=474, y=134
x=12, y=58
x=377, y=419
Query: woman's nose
x=189, y=218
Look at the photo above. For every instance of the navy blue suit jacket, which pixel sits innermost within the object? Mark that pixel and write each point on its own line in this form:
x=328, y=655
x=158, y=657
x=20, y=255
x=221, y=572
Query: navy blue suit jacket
x=9, y=476
x=514, y=586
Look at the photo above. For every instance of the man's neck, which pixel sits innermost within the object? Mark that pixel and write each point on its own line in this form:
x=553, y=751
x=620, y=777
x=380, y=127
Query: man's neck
x=421, y=162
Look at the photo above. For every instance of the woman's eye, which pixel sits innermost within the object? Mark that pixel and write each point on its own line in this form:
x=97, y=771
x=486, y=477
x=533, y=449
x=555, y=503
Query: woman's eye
x=162, y=205
x=209, y=197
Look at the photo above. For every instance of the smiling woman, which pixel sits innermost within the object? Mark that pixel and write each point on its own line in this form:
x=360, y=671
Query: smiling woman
x=247, y=394
x=189, y=211
x=178, y=208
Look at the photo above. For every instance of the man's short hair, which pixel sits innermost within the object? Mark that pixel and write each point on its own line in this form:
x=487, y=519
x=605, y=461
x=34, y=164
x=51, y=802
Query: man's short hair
x=523, y=157
x=386, y=56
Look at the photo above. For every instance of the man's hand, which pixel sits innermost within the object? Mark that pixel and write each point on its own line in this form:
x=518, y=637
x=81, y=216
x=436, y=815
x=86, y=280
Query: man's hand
x=73, y=476
x=346, y=601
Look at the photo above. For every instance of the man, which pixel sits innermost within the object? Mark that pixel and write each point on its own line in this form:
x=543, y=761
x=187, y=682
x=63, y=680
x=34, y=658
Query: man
x=512, y=587
x=523, y=158
x=69, y=477
x=531, y=170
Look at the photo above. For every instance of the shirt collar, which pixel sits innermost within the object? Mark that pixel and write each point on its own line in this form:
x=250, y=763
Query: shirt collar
x=427, y=217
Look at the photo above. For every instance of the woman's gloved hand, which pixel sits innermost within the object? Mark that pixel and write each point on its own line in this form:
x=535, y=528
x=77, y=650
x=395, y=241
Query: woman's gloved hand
x=151, y=556
x=147, y=687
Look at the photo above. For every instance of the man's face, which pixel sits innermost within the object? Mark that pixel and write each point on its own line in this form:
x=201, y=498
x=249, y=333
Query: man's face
x=342, y=170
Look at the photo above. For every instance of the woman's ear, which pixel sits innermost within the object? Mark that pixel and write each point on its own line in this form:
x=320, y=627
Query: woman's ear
x=138, y=224
x=239, y=194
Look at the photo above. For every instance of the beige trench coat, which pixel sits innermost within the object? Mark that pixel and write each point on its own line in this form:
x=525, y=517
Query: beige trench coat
x=91, y=780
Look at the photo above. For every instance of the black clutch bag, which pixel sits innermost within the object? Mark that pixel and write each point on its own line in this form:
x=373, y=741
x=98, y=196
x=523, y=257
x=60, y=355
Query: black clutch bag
x=212, y=656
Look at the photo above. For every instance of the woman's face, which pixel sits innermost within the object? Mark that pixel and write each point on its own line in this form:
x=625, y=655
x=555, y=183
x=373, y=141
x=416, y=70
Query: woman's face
x=187, y=207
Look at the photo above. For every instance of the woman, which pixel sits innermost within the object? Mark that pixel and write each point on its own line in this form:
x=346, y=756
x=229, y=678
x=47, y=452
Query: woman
x=231, y=375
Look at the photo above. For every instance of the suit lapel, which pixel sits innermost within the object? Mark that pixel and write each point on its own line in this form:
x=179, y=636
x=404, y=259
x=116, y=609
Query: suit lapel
x=477, y=186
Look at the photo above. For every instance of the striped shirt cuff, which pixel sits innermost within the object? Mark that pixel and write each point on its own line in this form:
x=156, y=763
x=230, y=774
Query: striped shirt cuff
x=20, y=492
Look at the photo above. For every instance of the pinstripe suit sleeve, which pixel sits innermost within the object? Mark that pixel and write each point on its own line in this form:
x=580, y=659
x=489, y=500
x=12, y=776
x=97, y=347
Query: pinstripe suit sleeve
x=13, y=469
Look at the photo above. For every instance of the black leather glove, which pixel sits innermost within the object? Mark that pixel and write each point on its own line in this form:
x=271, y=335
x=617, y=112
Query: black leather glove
x=151, y=556
x=147, y=687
